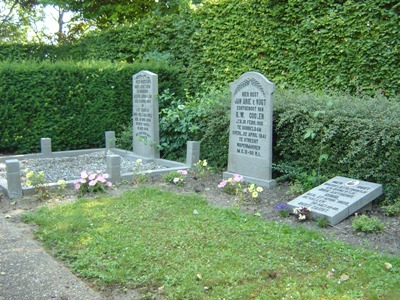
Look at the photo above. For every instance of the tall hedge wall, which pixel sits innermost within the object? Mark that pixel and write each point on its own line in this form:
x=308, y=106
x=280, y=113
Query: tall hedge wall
x=71, y=103
x=337, y=44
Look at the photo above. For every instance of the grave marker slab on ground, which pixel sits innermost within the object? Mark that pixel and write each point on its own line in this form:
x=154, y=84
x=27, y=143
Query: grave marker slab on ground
x=338, y=198
x=250, y=137
x=145, y=114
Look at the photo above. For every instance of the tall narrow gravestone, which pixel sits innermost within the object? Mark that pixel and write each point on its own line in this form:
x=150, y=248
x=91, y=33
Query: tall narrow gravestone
x=145, y=114
x=250, y=137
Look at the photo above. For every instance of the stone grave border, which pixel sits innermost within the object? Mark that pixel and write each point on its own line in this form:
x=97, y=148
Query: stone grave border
x=12, y=182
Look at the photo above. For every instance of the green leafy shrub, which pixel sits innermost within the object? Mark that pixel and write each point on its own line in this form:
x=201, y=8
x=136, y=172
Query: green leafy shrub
x=359, y=136
x=215, y=132
x=71, y=103
x=392, y=210
x=183, y=120
x=346, y=45
x=367, y=224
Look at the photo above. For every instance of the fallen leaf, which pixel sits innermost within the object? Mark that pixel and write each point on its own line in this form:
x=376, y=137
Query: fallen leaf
x=344, y=277
x=161, y=288
x=388, y=266
x=199, y=277
x=195, y=212
x=7, y=216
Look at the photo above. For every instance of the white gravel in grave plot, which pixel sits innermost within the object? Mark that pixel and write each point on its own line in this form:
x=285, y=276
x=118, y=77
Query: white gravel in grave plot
x=70, y=168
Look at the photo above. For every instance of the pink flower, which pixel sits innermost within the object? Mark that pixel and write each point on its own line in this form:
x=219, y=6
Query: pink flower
x=183, y=172
x=84, y=174
x=77, y=186
x=92, y=176
x=101, y=179
x=237, y=177
x=245, y=190
x=108, y=183
x=105, y=175
x=82, y=180
x=92, y=182
x=176, y=180
x=222, y=184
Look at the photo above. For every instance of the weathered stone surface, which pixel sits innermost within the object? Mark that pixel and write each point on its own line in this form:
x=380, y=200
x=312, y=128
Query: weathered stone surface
x=145, y=115
x=338, y=198
x=250, y=138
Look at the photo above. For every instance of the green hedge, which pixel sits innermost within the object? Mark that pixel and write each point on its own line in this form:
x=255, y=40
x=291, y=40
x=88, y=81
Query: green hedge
x=343, y=45
x=71, y=103
x=341, y=135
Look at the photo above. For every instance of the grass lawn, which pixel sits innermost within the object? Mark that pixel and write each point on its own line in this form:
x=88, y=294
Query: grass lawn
x=181, y=247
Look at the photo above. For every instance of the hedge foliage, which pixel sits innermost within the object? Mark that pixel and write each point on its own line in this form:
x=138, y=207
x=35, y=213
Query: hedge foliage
x=332, y=44
x=71, y=103
x=355, y=137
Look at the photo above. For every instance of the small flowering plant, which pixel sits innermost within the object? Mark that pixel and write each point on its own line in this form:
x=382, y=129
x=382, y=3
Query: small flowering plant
x=232, y=185
x=236, y=186
x=175, y=177
x=92, y=182
x=202, y=168
x=301, y=213
x=39, y=182
x=62, y=186
x=283, y=209
x=137, y=177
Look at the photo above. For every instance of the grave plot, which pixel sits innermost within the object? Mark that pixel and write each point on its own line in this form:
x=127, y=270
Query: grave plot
x=118, y=163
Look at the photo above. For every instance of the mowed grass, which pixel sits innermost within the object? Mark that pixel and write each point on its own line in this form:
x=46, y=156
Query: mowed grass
x=178, y=246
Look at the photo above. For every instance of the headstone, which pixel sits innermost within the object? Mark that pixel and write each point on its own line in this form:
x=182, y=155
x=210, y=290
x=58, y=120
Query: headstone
x=250, y=137
x=145, y=115
x=338, y=198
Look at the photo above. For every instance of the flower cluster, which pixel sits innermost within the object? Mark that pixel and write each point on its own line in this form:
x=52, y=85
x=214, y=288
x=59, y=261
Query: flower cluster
x=202, y=168
x=235, y=186
x=34, y=178
x=253, y=190
x=138, y=177
x=92, y=182
x=232, y=185
x=283, y=209
x=37, y=180
x=301, y=213
x=175, y=177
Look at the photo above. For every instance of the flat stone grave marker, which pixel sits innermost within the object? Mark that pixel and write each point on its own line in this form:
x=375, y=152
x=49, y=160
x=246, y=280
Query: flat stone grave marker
x=250, y=137
x=338, y=198
x=145, y=114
